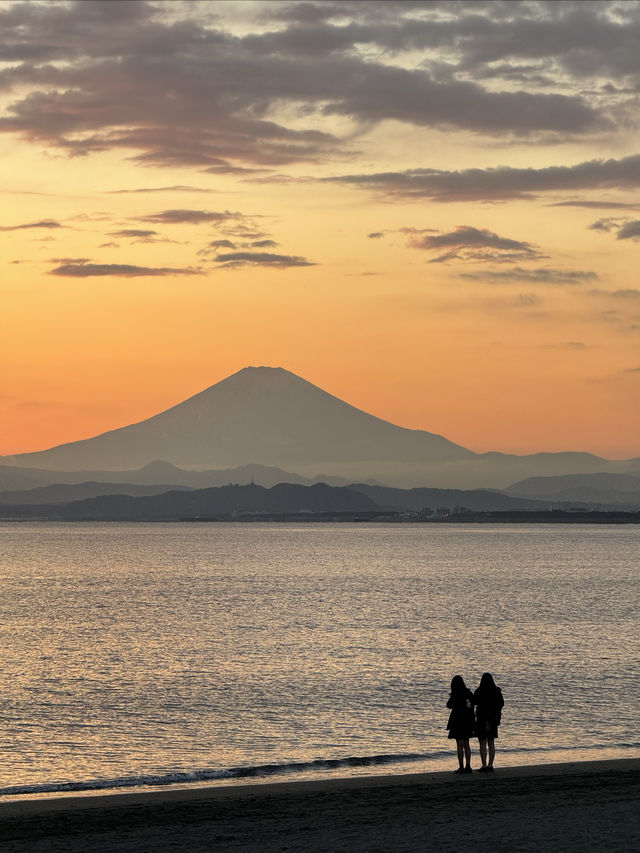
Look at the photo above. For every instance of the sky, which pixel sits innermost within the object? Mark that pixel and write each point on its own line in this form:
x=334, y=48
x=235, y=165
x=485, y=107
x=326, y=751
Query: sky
x=429, y=209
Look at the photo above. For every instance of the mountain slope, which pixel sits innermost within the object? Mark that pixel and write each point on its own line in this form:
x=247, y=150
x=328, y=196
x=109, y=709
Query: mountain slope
x=260, y=414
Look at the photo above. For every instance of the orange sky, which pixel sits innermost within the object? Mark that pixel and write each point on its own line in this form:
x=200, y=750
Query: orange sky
x=432, y=213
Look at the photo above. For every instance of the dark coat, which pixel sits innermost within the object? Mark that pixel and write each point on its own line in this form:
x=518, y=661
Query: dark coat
x=461, y=721
x=489, y=704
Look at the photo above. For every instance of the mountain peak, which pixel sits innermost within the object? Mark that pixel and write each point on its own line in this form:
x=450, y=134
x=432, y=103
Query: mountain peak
x=264, y=415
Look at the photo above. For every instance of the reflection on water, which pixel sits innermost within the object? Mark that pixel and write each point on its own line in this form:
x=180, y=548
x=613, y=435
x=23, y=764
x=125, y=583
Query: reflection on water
x=154, y=650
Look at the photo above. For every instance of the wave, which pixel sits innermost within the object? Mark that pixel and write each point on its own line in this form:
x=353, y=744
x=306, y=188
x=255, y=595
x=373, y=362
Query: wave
x=261, y=771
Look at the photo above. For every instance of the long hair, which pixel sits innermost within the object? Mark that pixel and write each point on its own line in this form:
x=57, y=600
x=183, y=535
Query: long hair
x=457, y=684
x=487, y=682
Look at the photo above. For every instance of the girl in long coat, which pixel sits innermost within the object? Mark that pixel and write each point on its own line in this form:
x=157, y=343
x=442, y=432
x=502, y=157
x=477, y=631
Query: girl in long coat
x=489, y=703
x=461, y=721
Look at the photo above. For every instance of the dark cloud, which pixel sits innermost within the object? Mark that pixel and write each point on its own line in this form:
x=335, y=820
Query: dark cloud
x=85, y=270
x=43, y=223
x=222, y=244
x=607, y=224
x=629, y=231
x=260, y=259
x=543, y=275
x=499, y=183
x=263, y=244
x=133, y=232
x=375, y=235
x=191, y=217
x=475, y=244
x=170, y=84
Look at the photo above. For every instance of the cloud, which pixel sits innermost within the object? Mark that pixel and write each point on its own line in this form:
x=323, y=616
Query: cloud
x=376, y=235
x=626, y=294
x=221, y=244
x=133, y=232
x=190, y=217
x=596, y=205
x=86, y=270
x=629, y=231
x=471, y=244
x=176, y=188
x=179, y=86
x=231, y=260
x=264, y=244
x=606, y=224
x=570, y=345
x=43, y=223
x=544, y=275
x=500, y=183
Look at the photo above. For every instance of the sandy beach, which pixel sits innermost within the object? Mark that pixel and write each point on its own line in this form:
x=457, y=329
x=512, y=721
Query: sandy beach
x=556, y=807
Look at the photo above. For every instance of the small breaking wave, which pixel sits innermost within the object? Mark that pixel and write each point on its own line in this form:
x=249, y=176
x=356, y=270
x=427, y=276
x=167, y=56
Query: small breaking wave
x=263, y=771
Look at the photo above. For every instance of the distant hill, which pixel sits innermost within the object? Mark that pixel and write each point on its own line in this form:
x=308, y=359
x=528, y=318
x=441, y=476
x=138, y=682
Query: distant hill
x=15, y=477
x=67, y=492
x=599, y=488
x=417, y=499
x=271, y=418
x=221, y=502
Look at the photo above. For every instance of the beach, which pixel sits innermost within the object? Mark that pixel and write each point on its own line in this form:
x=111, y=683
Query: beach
x=580, y=806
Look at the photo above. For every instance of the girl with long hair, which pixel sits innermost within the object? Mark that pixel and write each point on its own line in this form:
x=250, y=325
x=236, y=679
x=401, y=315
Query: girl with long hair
x=461, y=721
x=489, y=703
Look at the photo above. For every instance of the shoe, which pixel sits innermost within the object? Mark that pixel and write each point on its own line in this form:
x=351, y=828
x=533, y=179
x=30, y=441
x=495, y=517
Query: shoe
x=459, y=770
x=489, y=768
x=483, y=769
x=468, y=770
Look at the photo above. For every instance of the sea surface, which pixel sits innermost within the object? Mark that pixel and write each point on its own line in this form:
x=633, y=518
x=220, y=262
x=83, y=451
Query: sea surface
x=163, y=654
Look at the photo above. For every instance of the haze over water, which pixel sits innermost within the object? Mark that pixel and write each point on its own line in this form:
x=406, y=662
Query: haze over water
x=136, y=653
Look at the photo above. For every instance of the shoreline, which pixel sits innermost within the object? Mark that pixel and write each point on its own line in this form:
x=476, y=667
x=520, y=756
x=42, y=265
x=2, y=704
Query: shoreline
x=557, y=807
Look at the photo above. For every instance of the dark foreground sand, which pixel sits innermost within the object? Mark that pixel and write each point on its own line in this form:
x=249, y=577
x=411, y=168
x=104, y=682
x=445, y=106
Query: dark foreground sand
x=591, y=806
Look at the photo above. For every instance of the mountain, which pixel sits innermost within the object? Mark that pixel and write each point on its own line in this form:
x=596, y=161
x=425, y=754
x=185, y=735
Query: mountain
x=269, y=417
x=260, y=414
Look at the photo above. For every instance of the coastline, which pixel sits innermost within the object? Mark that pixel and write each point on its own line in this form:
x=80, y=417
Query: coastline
x=575, y=806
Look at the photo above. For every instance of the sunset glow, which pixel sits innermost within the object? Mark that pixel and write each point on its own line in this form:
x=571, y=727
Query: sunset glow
x=429, y=210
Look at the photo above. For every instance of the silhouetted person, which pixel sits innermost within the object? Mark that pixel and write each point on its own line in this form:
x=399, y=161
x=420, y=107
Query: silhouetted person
x=489, y=703
x=460, y=723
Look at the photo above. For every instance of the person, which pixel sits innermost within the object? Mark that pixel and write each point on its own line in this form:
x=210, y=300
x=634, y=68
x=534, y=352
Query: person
x=489, y=703
x=461, y=721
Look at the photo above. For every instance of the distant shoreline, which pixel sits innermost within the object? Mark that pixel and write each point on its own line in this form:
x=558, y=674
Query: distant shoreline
x=494, y=517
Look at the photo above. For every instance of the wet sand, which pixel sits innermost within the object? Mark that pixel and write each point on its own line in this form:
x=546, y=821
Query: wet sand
x=585, y=806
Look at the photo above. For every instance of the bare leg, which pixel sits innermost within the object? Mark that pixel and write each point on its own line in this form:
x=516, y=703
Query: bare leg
x=492, y=751
x=483, y=750
x=467, y=753
x=460, y=746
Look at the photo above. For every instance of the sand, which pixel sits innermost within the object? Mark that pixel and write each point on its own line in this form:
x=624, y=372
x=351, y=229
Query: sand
x=589, y=806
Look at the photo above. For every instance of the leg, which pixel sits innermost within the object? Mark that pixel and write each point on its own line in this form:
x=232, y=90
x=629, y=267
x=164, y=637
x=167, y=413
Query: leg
x=492, y=751
x=483, y=750
x=467, y=753
x=460, y=746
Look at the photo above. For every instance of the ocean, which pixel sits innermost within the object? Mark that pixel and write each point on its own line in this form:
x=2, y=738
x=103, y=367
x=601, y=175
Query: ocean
x=138, y=655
